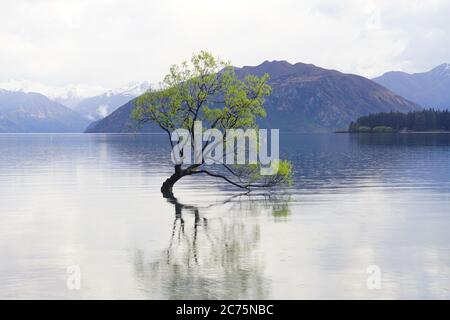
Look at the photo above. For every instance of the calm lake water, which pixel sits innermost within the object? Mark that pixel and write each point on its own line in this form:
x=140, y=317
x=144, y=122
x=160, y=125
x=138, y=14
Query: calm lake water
x=93, y=201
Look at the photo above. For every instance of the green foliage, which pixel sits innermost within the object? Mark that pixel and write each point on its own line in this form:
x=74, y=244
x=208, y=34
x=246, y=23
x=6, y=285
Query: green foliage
x=284, y=174
x=364, y=129
x=207, y=89
x=382, y=129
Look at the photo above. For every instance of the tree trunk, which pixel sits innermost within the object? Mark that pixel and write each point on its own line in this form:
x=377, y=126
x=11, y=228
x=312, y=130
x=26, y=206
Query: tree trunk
x=167, y=185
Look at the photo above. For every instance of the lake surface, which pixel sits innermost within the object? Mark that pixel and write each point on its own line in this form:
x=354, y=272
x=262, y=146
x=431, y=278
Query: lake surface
x=359, y=203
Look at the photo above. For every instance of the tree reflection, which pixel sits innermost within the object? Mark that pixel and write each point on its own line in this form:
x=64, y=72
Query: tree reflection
x=211, y=258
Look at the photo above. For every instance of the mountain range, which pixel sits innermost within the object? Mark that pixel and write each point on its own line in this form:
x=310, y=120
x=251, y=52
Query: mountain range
x=100, y=106
x=34, y=112
x=22, y=111
x=429, y=89
x=305, y=98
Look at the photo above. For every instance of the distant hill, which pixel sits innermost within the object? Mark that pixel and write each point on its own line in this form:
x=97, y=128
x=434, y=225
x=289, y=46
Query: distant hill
x=429, y=89
x=100, y=106
x=305, y=98
x=33, y=112
x=119, y=121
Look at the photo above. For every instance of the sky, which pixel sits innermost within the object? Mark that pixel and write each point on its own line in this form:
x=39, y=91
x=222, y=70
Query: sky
x=93, y=45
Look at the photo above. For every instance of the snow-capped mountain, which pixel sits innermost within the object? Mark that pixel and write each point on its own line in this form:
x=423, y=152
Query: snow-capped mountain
x=100, y=106
x=34, y=112
x=69, y=95
x=429, y=89
x=133, y=89
x=93, y=102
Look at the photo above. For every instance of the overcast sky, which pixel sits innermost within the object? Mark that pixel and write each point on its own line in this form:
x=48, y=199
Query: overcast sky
x=107, y=43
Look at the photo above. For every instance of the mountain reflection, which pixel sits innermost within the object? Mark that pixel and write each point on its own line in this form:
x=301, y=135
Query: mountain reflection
x=211, y=258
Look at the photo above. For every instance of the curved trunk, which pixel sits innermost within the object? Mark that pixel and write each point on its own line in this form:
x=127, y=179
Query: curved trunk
x=167, y=185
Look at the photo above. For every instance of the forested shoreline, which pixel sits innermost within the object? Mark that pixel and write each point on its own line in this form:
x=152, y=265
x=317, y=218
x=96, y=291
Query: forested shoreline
x=416, y=121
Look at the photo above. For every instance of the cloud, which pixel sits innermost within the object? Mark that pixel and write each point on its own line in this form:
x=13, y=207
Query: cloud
x=109, y=43
x=103, y=110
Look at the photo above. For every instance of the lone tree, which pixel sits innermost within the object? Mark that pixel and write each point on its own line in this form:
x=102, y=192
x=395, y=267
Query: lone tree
x=207, y=89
